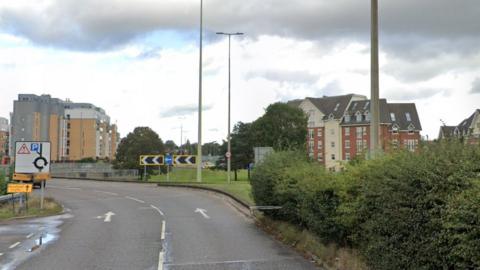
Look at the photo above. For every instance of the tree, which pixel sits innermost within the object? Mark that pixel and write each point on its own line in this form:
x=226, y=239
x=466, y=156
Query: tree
x=142, y=141
x=211, y=149
x=170, y=146
x=242, y=146
x=282, y=127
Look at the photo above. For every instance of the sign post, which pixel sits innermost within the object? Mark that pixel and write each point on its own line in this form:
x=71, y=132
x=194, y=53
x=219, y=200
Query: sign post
x=169, y=162
x=32, y=162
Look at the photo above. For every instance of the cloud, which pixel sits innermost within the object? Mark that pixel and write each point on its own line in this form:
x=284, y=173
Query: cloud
x=102, y=25
x=475, y=86
x=183, y=110
x=284, y=76
x=403, y=94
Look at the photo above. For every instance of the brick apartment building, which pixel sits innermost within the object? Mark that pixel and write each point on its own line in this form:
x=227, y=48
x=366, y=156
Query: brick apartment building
x=4, y=137
x=468, y=129
x=75, y=130
x=339, y=127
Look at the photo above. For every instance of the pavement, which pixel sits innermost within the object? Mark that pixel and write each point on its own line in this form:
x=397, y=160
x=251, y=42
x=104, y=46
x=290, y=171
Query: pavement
x=140, y=226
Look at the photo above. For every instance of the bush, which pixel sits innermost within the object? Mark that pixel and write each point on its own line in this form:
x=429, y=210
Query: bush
x=3, y=183
x=402, y=211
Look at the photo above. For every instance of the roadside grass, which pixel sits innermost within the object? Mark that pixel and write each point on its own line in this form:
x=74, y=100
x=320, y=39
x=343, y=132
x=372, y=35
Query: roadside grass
x=216, y=179
x=50, y=207
x=190, y=175
x=326, y=256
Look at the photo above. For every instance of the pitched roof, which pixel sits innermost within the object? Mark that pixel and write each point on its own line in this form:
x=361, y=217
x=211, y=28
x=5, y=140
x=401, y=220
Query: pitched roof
x=465, y=125
x=399, y=111
x=335, y=105
x=295, y=103
x=446, y=131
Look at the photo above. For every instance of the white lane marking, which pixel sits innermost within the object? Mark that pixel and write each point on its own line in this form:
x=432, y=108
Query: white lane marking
x=134, y=199
x=1, y=254
x=161, y=260
x=106, y=192
x=158, y=210
x=163, y=230
x=68, y=188
x=108, y=216
x=14, y=245
x=30, y=235
x=202, y=212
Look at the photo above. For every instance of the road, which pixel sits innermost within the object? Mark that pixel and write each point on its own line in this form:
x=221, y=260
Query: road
x=140, y=226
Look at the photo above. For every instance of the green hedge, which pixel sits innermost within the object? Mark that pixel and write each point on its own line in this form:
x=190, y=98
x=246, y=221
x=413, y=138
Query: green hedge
x=402, y=211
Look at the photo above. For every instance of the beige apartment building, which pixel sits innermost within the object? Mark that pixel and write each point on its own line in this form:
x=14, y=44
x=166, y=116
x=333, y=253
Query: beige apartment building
x=75, y=130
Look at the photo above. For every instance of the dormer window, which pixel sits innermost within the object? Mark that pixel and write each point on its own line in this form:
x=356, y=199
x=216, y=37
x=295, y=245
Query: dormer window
x=367, y=116
x=409, y=118
x=331, y=116
x=392, y=116
x=358, y=116
x=347, y=118
x=411, y=129
x=395, y=129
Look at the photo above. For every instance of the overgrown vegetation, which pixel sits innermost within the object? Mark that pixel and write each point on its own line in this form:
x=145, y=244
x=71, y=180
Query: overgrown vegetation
x=50, y=207
x=401, y=211
x=3, y=183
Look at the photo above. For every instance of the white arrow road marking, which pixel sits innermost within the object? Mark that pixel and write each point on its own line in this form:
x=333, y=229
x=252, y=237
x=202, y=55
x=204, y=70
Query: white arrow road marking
x=161, y=259
x=108, y=216
x=14, y=245
x=202, y=212
x=1, y=254
x=30, y=235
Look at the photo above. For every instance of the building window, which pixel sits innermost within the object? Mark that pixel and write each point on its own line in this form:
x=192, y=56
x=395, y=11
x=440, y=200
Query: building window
x=68, y=125
x=333, y=156
x=359, y=145
x=336, y=107
x=319, y=132
x=347, y=156
x=395, y=129
x=320, y=158
x=395, y=143
x=358, y=115
x=310, y=134
x=392, y=116
x=333, y=144
x=364, y=131
x=347, y=144
x=347, y=118
x=411, y=145
x=347, y=131
x=359, y=132
x=407, y=115
x=367, y=116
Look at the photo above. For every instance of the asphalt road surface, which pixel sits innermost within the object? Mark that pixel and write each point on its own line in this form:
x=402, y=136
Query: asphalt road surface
x=140, y=226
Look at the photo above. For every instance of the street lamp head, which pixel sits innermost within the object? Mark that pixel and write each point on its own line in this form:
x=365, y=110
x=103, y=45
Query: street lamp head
x=220, y=33
x=239, y=33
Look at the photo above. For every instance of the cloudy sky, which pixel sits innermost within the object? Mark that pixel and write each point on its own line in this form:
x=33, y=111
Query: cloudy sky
x=138, y=59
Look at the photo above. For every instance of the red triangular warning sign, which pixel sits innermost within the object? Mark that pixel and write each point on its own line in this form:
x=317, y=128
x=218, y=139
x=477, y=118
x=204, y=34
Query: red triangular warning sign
x=23, y=150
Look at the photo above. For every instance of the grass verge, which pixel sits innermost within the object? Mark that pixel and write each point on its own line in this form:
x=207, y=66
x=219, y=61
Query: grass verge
x=190, y=175
x=327, y=257
x=50, y=208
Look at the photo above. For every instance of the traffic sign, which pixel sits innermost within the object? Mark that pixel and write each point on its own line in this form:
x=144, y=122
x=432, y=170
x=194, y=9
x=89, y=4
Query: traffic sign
x=185, y=160
x=19, y=188
x=168, y=159
x=228, y=154
x=151, y=160
x=32, y=157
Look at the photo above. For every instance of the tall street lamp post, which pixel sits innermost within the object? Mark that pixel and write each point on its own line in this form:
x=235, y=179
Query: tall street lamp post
x=229, y=150
x=199, y=146
x=374, y=83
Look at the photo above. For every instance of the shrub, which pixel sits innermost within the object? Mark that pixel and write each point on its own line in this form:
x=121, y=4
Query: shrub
x=3, y=183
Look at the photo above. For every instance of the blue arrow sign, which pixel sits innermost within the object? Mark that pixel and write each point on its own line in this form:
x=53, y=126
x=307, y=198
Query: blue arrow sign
x=168, y=160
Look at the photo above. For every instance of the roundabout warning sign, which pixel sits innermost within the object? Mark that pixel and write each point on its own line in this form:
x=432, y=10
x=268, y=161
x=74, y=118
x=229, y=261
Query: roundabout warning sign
x=32, y=157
